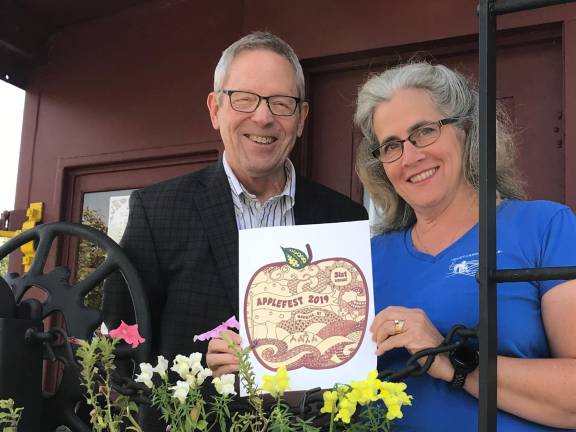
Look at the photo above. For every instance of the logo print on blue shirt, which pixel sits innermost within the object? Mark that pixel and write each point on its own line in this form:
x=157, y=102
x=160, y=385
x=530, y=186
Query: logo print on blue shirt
x=465, y=265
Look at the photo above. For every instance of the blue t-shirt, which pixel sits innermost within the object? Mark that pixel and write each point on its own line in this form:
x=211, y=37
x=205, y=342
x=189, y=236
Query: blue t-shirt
x=529, y=234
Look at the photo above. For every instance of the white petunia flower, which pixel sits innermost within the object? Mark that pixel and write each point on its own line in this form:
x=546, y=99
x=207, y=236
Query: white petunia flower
x=183, y=359
x=202, y=375
x=162, y=366
x=180, y=390
x=195, y=357
x=103, y=329
x=195, y=363
x=147, y=371
x=225, y=384
x=181, y=366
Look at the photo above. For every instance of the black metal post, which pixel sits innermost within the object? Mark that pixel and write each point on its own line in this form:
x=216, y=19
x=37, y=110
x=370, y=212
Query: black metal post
x=487, y=296
x=502, y=7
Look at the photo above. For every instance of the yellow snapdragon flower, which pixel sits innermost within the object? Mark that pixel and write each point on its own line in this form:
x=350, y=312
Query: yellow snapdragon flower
x=394, y=398
x=346, y=409
x=367, y=391
x=344, y=399
x=330, y=398
x=277, y=384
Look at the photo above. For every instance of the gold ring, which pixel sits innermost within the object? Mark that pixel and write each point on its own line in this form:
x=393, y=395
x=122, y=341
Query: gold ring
x=398, y=326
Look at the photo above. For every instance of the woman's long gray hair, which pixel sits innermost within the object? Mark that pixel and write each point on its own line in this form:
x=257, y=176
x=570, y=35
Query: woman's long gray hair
x=454, y=96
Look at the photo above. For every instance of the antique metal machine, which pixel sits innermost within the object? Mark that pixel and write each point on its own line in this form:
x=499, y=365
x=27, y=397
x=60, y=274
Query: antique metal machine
x=24, y=343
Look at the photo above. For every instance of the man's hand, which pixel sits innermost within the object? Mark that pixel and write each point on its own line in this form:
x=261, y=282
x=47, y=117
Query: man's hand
x=220, y=358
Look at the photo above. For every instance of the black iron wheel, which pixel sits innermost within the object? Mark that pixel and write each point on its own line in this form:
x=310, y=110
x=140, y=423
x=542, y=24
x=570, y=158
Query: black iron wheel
x=81, y=321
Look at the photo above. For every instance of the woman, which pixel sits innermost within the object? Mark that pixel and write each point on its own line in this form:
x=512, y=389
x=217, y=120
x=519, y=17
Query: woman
x=419, y=162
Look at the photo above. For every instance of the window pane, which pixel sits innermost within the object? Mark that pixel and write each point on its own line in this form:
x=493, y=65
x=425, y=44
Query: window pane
x=106, y=212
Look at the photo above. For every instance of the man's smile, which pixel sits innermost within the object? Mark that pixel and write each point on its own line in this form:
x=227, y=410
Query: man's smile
x=261, y=139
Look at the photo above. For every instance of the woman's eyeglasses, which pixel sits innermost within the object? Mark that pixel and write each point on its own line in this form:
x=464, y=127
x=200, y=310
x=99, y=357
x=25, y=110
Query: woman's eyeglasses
x=392, y=150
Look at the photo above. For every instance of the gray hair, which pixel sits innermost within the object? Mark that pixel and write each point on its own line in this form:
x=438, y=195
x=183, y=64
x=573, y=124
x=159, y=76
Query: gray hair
x=454, y=96
x=254, y=41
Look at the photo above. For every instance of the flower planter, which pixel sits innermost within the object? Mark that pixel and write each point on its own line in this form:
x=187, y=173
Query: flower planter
x=21, y=370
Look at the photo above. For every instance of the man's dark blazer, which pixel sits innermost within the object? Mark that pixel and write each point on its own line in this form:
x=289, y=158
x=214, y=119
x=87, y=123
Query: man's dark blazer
x=182, y=238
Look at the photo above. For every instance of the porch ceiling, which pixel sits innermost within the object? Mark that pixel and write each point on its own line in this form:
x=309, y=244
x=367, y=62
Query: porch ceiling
x=26, y=27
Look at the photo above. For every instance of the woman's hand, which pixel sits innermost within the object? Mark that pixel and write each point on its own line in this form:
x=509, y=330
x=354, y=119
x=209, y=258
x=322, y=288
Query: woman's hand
x=400, y=327
x=220, y=358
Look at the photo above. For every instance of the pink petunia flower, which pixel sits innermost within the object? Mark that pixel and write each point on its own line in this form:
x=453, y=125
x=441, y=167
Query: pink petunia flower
x=231, y=322
x=128, y=333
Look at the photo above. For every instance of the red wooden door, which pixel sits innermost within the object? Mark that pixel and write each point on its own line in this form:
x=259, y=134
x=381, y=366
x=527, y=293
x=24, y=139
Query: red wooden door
x=529, y=83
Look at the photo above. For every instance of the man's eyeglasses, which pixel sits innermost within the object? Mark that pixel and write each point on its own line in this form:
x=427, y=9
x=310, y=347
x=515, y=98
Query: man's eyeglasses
x=247, y=102
x=391, y=151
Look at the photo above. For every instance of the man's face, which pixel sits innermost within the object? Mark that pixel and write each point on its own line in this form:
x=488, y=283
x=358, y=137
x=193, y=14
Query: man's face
x=258, y=143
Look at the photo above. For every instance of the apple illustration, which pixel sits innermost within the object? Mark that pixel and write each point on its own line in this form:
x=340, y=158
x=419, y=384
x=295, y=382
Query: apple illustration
x=300, y=313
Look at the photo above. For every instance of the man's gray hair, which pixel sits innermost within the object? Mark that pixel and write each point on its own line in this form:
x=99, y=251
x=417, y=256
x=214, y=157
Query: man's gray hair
x=254, y=41
x=454, y=96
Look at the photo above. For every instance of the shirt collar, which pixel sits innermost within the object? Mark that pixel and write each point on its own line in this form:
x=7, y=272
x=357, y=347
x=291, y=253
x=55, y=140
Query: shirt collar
x=238, y=188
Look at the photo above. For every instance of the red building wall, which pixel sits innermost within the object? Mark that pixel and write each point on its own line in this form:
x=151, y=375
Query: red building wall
x=133, y=86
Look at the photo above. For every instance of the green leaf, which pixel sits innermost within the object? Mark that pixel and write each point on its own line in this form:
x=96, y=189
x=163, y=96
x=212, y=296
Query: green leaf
x=6, y=403
x=133, y=407
x=295, y=258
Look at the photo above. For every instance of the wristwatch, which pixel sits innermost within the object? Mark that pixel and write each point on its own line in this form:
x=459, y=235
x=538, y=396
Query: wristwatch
x=464, y=360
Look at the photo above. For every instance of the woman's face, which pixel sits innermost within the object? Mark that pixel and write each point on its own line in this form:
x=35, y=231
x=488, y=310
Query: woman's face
x=429, y=179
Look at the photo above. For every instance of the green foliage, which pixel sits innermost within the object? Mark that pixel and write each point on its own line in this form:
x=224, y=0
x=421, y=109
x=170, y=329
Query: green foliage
x=90, y=256
x=9, y=416
x=256, y=420
x=372, y=418
x=221, y=412
x=362, y=406
x=3, y=262
x=281, y=418
x=184, y=416
x=96, y=359
x=248, y=378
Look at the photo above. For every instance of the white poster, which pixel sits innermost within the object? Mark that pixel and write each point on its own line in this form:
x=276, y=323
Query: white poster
x=118, y=216
x=306, y=302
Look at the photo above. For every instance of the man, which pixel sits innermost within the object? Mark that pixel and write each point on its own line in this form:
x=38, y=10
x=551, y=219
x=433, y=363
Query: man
x=182, y=234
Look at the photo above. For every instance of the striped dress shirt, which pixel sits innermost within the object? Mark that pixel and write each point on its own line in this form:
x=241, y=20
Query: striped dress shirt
x=251, y=213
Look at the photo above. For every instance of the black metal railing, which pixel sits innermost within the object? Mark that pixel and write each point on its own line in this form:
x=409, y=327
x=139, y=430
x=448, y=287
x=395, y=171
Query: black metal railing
x=489, y=275
x=502, y=7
